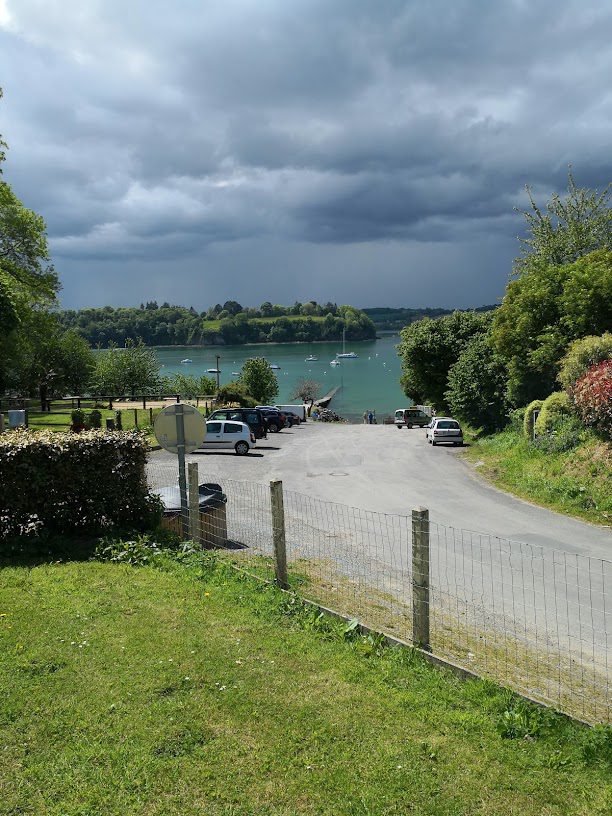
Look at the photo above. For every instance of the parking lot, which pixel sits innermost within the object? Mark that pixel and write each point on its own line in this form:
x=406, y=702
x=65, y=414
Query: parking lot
x=381, y=468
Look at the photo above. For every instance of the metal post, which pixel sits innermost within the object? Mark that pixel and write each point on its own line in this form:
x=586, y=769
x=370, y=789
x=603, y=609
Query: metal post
x=218, y=358
x=180, y=437
x=135, y=417
x=194, y=503
x=420, y=577
x=150, y=416
x=278, y=533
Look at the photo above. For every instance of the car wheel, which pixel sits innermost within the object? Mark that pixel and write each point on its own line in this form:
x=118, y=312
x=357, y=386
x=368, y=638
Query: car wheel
x=242, y=448
x=273, y=427
x=433, y=444
x=409, y=426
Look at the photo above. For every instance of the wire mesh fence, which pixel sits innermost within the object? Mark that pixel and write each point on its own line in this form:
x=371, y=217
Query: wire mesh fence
x=535, y=619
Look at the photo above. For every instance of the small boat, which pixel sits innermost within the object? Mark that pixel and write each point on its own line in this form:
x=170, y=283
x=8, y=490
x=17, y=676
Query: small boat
x=235, y=373
x=213, y=370
x=186, y=360
x=275, y=367
x=346, y=355
x=335, y=362
x=311, y=359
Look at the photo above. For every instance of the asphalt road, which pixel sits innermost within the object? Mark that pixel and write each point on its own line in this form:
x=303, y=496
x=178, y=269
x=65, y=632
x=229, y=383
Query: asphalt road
x=383, y=469
x=498, y=564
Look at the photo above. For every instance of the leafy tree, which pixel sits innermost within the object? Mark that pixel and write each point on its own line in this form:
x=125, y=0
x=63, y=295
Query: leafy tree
x=429, y=349
x=477, y=386
x=232, y=307
x=27, y=280
x=568, y=228
x=235, y=393
x=581, y=355
x=306, y=390
x=544, y=310
x=130, y=370
x=258, y=380
x=189, y=386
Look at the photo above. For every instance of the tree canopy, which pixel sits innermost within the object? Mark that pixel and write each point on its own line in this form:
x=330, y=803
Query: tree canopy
x=258, y=380
x=429, y=349
x=545, y=309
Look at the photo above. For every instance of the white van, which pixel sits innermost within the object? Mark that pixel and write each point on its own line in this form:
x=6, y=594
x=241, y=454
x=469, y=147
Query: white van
x=300, y=410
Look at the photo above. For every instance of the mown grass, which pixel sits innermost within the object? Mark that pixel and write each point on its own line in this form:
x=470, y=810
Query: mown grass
x=577, y=482
x=185, y=688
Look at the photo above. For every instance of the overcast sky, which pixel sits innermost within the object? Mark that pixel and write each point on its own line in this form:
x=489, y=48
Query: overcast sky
x=361, y=152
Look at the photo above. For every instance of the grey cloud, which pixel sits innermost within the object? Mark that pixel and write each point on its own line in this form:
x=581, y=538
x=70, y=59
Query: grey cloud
x=355, y=133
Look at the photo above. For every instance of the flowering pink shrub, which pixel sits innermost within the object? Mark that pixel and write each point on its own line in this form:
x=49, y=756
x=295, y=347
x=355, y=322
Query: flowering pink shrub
x=592, y=396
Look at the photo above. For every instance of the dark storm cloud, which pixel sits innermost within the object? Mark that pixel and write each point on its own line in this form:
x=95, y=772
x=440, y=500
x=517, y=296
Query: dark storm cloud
x=235, y=143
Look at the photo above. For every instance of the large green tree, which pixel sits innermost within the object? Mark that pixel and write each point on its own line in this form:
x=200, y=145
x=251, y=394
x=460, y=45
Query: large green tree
x=46, y=360
x=28, y=282
x=429, y=349
x=477, y=383
x=258, y=380
x=567, y=228
x=543, y=311
x=133, y=370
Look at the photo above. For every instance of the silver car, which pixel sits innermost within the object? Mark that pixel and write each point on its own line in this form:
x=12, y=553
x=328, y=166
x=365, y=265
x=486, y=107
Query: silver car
x=444, y=429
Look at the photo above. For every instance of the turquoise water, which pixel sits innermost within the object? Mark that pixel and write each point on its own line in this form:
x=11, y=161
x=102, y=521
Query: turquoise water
x=371, y=382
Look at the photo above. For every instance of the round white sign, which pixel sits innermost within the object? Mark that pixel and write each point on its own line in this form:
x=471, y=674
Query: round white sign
x=166, y=427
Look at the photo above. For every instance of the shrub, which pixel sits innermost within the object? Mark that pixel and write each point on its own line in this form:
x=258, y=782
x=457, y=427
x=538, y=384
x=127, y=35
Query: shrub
x=59, y=483
x=581, y=355
x=567, y=434
x=592, y=396
x=534, y=406
x=517, y=419
x=554, y=407
x=77, y=417
x=95, y=419
x=234, y=393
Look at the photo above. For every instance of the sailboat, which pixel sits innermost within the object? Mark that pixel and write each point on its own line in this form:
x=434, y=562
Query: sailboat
x=311, y=359
x=346, y=355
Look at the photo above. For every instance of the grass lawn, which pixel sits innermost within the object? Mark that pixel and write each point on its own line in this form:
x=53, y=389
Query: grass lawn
x=184, y=688
x=577, y=482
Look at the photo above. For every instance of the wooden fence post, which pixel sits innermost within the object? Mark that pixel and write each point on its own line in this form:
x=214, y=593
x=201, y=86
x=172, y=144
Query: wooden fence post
x=278, y=533
x=135, y=417
x=150, y=416
x=194, y=503
x=420, y=577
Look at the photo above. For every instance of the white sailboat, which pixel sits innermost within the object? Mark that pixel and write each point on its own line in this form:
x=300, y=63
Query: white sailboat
x=335, y=362
x=346, y=355
x=311, y=359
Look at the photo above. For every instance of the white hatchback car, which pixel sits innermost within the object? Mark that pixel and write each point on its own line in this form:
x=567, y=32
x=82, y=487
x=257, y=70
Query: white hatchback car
x=444, y=429
x=223, y=435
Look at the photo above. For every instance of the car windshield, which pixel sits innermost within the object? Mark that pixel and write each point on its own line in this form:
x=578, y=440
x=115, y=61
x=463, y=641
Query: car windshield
x=447, y=423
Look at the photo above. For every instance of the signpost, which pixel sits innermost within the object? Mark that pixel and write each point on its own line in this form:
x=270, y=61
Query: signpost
x=181, y=429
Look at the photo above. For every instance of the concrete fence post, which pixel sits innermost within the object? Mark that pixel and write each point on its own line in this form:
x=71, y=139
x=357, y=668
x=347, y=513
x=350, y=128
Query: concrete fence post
x=420, y=577
x=278, y=533
x=194, y=503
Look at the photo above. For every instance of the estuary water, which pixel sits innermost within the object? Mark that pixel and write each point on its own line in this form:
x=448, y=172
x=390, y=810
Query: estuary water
x=369, y=382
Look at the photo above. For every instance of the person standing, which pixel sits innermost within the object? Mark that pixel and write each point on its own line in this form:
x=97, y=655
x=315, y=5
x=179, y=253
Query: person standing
x=370, y=417
x=365, y=417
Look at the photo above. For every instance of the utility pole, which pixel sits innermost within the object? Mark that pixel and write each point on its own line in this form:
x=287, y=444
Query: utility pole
x=218, y=358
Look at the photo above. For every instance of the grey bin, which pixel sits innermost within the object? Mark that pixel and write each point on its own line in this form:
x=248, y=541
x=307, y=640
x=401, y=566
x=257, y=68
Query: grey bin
x=213, y=519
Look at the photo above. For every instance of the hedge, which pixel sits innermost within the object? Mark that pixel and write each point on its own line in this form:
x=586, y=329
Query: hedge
x=554, y=407
x=61, y=484
x=536, y=405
